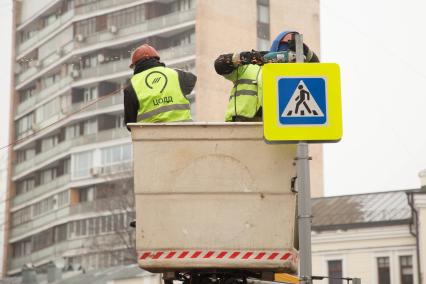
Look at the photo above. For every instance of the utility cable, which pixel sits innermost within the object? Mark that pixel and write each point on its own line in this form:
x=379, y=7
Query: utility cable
x=59, y=120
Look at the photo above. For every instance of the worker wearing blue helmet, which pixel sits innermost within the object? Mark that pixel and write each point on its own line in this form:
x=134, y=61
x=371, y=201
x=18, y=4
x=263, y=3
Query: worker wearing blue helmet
x=243, y=69
x=285, y=42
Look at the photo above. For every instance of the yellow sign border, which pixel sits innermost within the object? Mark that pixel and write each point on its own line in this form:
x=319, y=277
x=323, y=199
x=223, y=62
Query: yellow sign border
x=274, y=132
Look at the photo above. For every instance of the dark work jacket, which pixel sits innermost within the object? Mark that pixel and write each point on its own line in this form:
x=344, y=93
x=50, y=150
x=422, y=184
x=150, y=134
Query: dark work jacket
x=187, y=82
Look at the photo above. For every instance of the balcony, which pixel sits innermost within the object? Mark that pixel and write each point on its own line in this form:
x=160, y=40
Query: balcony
x=174, y=53
x=48, y=253
x=42, y=66
x=102, y=103
x=99, y=5
x=39, y=221
x=66, y=145
x=26, y=74
x=101, y=205
x=57, y=214
x=40, y=190
x=100, y=106
x=72, y=246
x=40, y=35
x=151, y=26
x=43, y=94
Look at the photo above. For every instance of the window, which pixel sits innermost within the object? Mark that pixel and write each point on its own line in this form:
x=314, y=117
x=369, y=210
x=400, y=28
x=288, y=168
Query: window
x=87, y=194
x=50, y=80
x=25, y=155
x=72, y=131
x=43, y=206
x=63, y=198
x=263, y=33
x=335, y=271
x=47, y=176
x=86, y=27
x=127, y=17
x=43, y=239
x=383, y=270
x=90, y=126
x=263, y=12
x=24, y=125
x=49, y=143
x=61, y=233
x=82, y=164
x=48, y=20
x=47, y=110
x=119, y=121
x=21, y=216
x=116, y=154
x=406, y=269
x=91, y=93
x=26, y=94
x=21, y=248
x=24, y=186
x=262, y=44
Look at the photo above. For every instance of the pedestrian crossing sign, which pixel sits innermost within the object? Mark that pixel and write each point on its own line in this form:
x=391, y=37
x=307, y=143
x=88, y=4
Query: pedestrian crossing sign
x=301, y=102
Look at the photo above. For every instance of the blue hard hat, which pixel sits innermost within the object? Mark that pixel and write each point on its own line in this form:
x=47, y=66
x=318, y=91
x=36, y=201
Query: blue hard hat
x=277, y=45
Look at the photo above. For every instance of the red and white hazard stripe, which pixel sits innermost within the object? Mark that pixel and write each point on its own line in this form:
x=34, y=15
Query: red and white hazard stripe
x=218, y=255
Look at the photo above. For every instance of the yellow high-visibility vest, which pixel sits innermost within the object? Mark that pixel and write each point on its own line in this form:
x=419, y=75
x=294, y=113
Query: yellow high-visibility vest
x=246, y=95
x=160, y=96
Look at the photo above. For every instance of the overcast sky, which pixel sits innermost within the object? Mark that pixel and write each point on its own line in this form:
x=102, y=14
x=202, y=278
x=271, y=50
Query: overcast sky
x=379, y=46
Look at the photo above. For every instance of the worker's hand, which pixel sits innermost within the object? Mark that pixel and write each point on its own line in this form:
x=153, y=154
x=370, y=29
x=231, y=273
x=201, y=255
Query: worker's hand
x=245, y=57
x=251, y=57
x=257, y=57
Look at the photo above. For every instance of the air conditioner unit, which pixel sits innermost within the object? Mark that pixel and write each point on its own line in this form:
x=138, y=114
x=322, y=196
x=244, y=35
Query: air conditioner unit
x=79, y=38
x=75, y=73
x=101, y=58
x=94, y=172
x=113, y=29
x=35, y=127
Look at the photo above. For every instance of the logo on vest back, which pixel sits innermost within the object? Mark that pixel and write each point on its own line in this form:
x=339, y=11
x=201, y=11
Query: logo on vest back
x=161, y=101
x=156, y=80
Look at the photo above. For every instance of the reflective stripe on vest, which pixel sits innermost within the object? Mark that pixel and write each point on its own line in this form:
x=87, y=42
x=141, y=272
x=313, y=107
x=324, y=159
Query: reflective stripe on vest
x=163, y=109
x=160, y=96
x=245, y=99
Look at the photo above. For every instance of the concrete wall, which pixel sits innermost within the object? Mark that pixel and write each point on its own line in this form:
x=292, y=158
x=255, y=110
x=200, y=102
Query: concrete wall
x=229, y=26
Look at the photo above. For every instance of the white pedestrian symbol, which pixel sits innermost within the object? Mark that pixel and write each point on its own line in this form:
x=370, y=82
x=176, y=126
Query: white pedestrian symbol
x=302, y=103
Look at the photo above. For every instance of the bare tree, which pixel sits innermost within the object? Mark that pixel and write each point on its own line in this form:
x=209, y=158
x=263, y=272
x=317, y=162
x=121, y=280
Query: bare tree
x=116, y=196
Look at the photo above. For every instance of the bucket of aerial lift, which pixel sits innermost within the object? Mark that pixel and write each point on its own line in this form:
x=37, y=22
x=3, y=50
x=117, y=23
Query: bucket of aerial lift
x=213, y=196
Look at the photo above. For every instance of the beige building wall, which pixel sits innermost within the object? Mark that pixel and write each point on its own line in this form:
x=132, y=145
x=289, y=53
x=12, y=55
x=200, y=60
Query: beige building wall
x=359, y=249
x=224, y=26
x=420, y=205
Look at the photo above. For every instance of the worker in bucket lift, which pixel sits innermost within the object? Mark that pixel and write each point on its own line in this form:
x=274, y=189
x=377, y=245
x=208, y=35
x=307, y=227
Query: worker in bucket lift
x=244, y=71
x=156, y=93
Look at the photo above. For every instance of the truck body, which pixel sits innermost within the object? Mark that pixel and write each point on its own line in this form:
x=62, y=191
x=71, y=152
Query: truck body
x=213, y=196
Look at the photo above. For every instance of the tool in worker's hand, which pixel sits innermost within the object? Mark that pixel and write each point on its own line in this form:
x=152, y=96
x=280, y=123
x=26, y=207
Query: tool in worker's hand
x=279, y=57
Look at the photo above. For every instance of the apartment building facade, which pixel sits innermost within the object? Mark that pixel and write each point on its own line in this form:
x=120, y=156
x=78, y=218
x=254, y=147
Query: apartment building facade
x=71, y=156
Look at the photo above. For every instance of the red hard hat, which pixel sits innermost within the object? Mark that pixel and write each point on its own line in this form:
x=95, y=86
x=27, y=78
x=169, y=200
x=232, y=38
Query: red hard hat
x=144, y=51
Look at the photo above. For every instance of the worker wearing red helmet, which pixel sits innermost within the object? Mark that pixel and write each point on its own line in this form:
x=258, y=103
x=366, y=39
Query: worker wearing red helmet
x=156, y=93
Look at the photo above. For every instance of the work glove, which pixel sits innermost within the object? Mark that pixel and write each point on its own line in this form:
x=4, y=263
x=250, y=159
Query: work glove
x=252, y=57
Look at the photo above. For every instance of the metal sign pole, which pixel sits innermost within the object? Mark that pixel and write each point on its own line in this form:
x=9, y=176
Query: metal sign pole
x=304, y=194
